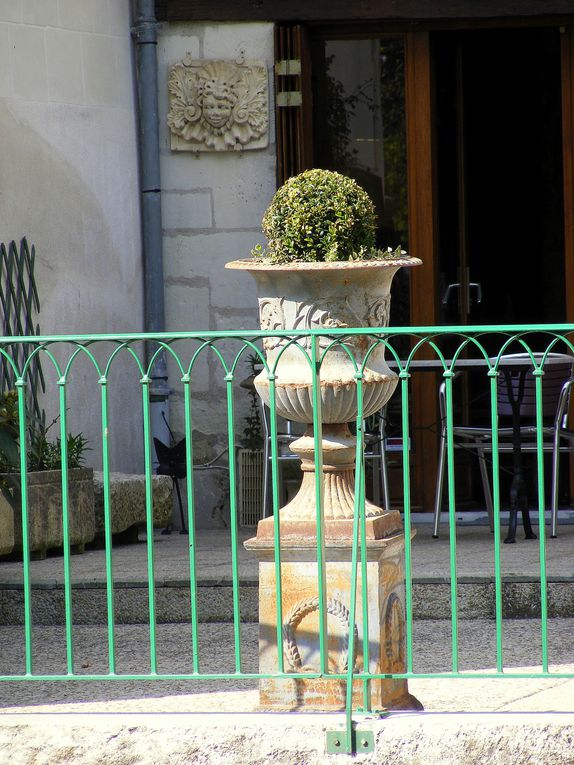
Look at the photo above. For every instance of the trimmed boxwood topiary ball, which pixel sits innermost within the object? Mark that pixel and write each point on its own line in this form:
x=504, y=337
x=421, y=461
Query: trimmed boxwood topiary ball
x=319, y=215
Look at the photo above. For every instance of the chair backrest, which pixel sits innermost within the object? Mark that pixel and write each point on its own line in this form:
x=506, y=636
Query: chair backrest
x=517, y=381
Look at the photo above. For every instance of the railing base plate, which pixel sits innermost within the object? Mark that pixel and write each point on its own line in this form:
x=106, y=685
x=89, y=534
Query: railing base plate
x=361, y=741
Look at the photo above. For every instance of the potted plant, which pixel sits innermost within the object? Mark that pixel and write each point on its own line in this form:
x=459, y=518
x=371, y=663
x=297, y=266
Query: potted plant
x=322, y=270
x=44, y=482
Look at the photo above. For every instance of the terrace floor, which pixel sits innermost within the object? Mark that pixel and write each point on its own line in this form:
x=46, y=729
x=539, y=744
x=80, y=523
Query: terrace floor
x=430, y=557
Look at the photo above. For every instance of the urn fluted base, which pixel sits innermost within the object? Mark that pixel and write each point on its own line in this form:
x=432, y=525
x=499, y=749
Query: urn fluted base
x=338, y=476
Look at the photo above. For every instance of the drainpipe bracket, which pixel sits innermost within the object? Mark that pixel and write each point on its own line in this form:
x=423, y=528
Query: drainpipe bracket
x=145, y=31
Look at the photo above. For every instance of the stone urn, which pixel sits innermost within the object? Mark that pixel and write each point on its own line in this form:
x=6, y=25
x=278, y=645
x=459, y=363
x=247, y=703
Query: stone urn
x=325, y=295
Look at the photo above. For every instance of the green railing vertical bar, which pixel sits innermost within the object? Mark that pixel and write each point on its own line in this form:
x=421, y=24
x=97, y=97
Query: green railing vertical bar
x=27, y=585
x=541, y=517
x=66, y=525
x=451, y=518
x=360, y=499
x=318, y=455
x=186, y=380
x=493, y=375
x=145, y=381
x=405, y=434
x=276, y=521
x=108, y=526
x=233, y=521
x=351, y=647
x=365, y=594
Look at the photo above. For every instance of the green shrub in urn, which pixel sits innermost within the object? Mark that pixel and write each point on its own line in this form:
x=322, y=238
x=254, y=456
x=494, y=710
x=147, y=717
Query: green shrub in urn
x=320, y=216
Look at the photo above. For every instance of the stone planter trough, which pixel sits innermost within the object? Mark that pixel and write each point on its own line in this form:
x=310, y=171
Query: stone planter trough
x=45, y=509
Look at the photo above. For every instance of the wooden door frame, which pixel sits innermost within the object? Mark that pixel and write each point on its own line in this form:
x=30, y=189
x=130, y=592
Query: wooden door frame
x=422, y=215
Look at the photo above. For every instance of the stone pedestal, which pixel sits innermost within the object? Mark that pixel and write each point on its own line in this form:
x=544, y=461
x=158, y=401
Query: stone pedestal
x=6, y=526
x=299, y=576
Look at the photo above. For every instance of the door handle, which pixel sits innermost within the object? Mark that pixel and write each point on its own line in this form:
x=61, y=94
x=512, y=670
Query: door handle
x=457, y=285
x=448, y=290
x=478, y=287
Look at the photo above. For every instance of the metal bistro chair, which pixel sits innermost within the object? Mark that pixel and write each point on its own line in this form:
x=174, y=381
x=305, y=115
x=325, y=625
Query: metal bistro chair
x=375, y=453
x=556, y=385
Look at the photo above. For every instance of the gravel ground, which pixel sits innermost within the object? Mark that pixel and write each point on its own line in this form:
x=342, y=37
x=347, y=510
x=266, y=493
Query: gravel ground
x=432, y=653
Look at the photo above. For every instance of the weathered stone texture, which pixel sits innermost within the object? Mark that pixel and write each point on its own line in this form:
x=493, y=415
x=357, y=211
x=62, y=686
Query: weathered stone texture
x=45, y=509
x=128, y=501
x=300, y=627
x=6, y=526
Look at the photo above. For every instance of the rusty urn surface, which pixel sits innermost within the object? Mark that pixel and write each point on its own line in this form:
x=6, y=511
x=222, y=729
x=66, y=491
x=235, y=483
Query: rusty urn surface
x=302, y=296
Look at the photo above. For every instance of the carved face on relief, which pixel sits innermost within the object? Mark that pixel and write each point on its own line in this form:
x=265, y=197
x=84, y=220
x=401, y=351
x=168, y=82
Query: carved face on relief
x=218, y=105
x=216, y=111
x=217, y=102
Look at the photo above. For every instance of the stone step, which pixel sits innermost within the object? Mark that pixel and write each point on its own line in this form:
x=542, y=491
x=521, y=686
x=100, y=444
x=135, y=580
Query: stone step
x=431, y=600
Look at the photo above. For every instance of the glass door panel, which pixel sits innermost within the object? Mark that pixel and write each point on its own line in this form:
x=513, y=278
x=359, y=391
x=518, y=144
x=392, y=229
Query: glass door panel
x=360, y=131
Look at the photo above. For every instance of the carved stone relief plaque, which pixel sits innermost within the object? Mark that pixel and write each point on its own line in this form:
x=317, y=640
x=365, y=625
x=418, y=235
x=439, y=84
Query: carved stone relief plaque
x=218, y=105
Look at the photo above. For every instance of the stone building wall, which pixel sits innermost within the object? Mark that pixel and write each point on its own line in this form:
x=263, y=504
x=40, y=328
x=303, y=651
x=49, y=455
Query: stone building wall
x=212, y=204
x=69, y=183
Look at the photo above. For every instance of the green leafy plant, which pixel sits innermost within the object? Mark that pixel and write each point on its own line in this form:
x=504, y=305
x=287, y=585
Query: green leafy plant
x=319, y=216
x=9, y=432
x=47, y=455
x=42, y=453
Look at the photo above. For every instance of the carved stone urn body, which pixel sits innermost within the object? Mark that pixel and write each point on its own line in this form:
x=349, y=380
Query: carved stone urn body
x=340, y=294
x=326, y=296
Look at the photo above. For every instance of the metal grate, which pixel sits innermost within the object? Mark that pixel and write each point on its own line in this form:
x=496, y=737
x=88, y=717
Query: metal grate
x=20, y=303
x=250, y=486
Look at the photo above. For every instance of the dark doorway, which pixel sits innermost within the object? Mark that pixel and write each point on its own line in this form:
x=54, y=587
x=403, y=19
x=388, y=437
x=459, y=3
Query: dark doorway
x=499, y=160
x=500, y=196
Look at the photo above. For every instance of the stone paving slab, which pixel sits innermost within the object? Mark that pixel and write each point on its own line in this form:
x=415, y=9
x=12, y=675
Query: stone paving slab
x=245, y=739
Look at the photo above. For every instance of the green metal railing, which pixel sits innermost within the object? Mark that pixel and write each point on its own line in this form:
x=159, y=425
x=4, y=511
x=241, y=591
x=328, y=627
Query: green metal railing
x=111, y=360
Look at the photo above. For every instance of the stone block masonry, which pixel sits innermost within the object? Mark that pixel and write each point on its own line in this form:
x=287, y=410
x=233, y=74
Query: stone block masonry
x=212, y=206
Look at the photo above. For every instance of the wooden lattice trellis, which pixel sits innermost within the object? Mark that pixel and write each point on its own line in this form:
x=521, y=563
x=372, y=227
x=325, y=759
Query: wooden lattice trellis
x=20, y=305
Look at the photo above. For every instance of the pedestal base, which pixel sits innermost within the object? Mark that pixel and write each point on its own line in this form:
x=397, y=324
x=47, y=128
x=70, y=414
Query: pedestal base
x=299, y=576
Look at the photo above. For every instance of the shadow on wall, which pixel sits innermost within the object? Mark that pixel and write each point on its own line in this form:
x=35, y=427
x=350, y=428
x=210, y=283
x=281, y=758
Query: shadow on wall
x=82, y=283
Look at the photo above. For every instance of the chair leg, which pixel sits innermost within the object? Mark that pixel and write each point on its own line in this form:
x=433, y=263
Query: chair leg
x=555, y=478
x=512, y=523
x=486, y=488
x=375, y=475
x=439, y=482
x=384, y=477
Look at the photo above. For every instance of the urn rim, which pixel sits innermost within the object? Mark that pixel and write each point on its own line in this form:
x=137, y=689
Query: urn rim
x=252, y=264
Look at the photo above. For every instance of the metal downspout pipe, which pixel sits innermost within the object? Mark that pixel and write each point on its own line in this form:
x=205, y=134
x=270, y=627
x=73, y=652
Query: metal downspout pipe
x=144, y=33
